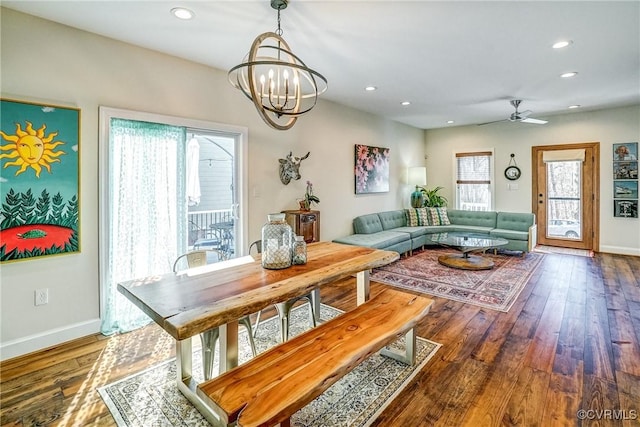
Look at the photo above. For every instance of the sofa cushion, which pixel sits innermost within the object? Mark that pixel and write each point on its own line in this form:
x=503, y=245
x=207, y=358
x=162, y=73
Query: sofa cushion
x=477, y=218
x=510, y=234
x=438, y=216
x=471, y=229
x=416, y=217
x=392, y=219
x=413, y=231
x=435, y=229
x=380, y=240
x=518, y=221
x=367, y=224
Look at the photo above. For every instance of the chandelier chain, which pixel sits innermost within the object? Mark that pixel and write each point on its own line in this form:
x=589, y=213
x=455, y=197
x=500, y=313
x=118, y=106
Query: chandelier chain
x=279, y=30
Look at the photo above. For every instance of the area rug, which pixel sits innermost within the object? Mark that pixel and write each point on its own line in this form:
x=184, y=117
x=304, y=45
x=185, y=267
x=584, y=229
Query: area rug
x=151, y=397
x=496, y=289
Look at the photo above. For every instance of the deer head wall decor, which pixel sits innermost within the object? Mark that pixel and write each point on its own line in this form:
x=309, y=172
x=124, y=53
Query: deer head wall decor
x=290, y=167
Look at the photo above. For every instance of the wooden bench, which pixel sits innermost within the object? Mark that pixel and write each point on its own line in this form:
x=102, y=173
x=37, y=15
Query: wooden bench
x=271, y=387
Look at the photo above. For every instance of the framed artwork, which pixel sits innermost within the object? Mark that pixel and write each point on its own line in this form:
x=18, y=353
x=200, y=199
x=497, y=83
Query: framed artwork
x=40, y=177
x=371, y=169
x=625, y=180
x=625, y=189
x=625, y=151
x=625, y=170
x=625, y=208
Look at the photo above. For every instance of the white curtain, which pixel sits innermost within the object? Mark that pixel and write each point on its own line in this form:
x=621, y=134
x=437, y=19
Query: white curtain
x=147, y=212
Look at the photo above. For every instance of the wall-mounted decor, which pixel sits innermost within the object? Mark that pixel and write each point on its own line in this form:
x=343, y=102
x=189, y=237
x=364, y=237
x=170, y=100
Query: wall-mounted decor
x=625, y=208
x=290, y=167
x=625, y=180
x=39, y=173
x=371, y=169
x=512, y=172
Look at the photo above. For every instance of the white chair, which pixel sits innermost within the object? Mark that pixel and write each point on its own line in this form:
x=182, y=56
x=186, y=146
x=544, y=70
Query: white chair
x=210, y=337
x=284, y=308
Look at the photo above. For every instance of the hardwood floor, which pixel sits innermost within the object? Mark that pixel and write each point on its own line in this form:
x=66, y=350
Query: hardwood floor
x=570, y=342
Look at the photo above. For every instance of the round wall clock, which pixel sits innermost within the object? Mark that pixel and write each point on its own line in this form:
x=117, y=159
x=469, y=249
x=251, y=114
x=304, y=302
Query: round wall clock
x=512, y=173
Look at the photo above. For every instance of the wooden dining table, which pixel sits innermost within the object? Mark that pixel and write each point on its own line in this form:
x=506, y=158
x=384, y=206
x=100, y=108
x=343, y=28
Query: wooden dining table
x=187, y=303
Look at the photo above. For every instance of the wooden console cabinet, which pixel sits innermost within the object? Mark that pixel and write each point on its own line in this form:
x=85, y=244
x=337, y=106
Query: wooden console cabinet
x=304, y=223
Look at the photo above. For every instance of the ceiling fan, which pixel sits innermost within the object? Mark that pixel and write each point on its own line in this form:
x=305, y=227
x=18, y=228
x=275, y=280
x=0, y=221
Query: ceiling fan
x=519, y=116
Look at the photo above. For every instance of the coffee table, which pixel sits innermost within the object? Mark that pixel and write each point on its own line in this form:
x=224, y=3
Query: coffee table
x=467, y=243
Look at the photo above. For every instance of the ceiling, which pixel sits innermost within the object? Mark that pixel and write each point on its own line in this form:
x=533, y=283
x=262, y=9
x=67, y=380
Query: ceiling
x=453, y=60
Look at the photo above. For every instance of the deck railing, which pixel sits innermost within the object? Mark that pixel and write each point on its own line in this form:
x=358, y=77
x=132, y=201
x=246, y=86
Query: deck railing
x=200, y=223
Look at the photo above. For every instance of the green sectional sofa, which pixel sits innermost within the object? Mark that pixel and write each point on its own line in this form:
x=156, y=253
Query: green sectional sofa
x=390, y=230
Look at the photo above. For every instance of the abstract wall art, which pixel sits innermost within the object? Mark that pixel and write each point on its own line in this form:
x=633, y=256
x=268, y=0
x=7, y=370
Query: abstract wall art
x=371, y=169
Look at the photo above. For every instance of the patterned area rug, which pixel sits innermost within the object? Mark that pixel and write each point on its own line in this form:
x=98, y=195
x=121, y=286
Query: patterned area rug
x=151, y=397
x=496, y=289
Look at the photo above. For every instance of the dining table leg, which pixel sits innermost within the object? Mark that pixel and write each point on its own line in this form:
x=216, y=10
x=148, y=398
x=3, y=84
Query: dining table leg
x=229, y=346
x=362, y=286
x=187, y=385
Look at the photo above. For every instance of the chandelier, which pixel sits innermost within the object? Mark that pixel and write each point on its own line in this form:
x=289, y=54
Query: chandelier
x=279, y=84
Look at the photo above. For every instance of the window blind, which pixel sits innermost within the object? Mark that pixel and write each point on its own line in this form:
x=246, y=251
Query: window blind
x=473, y=168
x=563, y=155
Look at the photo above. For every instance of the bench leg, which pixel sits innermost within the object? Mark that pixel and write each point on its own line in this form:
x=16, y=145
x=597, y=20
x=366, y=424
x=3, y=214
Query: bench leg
x=409, y=356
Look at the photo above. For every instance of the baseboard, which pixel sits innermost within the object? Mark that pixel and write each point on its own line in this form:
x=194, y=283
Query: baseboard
x=620, y=250
x=31, y=343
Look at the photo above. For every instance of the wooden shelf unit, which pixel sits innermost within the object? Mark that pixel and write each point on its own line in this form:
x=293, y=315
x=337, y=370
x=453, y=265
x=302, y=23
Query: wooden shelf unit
x=304, y=223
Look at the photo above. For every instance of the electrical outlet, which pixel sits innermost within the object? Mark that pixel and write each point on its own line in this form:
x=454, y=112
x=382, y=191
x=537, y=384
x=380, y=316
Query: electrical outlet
x=41, y=296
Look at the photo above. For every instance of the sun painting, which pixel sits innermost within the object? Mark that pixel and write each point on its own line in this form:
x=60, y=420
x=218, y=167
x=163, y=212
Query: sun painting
x=31, y=148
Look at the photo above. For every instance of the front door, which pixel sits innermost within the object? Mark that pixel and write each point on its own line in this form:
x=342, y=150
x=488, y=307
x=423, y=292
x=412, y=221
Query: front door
x=565, y=195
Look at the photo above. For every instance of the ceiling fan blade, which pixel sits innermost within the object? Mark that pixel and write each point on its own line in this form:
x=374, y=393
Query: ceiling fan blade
x=524, y=114
x=495, y=121
x=534, y=121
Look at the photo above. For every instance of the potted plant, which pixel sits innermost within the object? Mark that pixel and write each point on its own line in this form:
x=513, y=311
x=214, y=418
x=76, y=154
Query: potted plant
x=432, y=198
x=309, y=198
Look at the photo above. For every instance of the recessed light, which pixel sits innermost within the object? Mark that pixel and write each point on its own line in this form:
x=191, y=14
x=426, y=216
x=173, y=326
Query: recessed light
x=182, y=13
x=574, y=106
x=405, y=103
x=450, y=121
x=569, y=74
x=370, y=88
x=561, y=44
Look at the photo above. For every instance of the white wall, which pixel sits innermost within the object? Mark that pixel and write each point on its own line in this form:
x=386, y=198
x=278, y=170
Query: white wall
x=617, y=235
x=47, y=62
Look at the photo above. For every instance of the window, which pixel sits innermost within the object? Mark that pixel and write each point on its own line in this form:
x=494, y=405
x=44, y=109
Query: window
x=474, y=173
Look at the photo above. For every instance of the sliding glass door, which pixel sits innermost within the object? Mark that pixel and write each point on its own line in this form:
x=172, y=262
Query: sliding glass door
x=168, y=186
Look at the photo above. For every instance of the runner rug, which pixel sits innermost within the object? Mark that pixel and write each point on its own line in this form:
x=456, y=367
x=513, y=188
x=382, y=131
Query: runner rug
x=496, y=289
x=151, y=397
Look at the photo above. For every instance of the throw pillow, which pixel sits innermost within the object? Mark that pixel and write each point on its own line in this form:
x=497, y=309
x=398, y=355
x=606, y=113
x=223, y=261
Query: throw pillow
x=417, y=217
x=438, y=216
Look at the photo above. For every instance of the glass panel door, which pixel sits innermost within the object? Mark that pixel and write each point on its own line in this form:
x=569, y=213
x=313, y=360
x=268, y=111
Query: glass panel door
x=211, y=193
x=564, y=201
x=565, y=195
